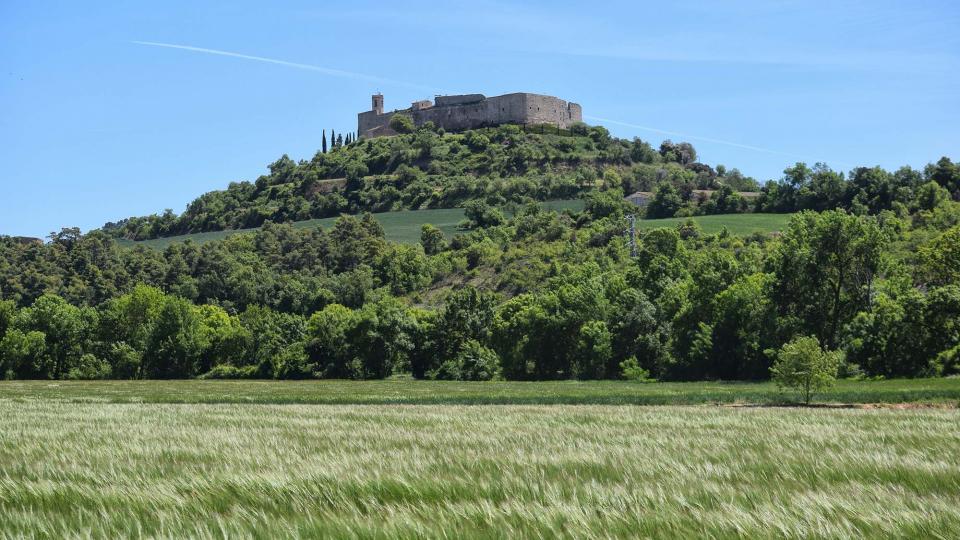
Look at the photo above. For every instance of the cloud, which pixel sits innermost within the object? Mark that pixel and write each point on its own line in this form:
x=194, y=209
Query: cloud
x=309, y=67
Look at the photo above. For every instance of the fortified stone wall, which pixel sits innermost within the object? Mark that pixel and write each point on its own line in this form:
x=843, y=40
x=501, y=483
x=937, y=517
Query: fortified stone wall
x=458, y=113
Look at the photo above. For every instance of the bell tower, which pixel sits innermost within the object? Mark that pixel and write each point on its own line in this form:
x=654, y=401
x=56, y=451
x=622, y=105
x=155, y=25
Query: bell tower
x=377, y=103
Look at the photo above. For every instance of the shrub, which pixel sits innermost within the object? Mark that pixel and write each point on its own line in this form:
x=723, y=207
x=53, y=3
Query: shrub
x=89, y=368
x=401, y=123
x=631, y=371
x=474, y=362
x=227, y=371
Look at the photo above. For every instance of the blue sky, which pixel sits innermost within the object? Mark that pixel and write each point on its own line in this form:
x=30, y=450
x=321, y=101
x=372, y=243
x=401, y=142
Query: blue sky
x=95, y=126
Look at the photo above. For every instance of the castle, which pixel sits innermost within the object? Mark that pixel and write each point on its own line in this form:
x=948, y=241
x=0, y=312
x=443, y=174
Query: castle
x=469, y=111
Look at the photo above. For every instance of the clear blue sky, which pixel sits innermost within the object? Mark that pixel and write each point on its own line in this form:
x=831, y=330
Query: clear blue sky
x=95, y=127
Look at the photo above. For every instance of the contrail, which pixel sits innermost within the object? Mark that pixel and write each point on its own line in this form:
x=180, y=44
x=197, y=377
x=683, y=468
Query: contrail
x=712, y=140
x=308, y=67
x=371, y=78
x=686, y=136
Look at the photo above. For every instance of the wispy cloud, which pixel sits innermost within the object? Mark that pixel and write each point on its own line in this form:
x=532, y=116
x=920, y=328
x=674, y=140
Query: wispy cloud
x=309, y=67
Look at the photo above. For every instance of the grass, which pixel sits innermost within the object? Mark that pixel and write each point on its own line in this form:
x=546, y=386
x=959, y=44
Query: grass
x=379, y=471
x=737, y=224
x=410, y=392
x=401, y=226
x=404, y=226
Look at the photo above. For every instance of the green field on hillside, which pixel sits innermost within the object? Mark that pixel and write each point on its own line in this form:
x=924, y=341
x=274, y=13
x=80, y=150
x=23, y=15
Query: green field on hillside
x=385, y=471
x=403, y=226
x=737, y=224
x=412, y=392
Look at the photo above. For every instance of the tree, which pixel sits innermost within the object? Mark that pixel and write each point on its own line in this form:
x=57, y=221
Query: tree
x=432, y=240
x=947, y=174
x=323, y=148
x=176, y=343
x=940, y=259
x=682, y=153
x=473, y=362
x=803, y=366
x=665, y=202
x=63, y=330
x=401, y=123
x=825, y=265
x=482, y=215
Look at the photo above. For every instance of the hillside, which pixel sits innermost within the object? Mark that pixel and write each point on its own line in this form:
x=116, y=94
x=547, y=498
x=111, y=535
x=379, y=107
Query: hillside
x=405, y=226
x=401, y=226
x=430, y=169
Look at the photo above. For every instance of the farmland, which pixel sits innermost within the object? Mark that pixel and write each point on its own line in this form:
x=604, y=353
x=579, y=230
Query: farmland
x=737, y=224
x=411, y=392
x=378, y=471
x=404, y=226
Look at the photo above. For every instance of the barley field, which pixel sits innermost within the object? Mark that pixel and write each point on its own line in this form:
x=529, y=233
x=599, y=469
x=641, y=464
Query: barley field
x=110, y=470
x=941, y=390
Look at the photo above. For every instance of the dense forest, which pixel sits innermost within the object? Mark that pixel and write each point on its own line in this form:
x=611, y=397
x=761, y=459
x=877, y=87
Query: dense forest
x=870, y=267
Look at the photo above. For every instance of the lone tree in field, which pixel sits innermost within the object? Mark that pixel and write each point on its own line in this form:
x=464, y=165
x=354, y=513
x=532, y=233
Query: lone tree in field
x=805, y=367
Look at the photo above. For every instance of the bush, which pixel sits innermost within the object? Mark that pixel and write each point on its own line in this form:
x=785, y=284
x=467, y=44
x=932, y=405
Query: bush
x=401, y=123
x=631, y=371
x=89, y=368
x=227, y=371
x=474, y=362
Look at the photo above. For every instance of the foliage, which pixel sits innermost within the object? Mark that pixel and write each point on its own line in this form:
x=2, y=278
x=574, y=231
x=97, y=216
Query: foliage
x=401, y=123
x=526, y=293
x=803, y=366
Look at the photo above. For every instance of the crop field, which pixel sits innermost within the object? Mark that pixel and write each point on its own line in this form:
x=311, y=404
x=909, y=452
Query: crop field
x=402, y=226
x=412, y=471
x=937, y=391
x=737, y=224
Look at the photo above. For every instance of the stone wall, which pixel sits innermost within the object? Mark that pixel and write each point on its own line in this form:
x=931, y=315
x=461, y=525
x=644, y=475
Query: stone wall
x=458, y=113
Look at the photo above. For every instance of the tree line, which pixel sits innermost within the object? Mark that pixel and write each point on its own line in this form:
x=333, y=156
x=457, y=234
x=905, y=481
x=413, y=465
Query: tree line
x=537, y=295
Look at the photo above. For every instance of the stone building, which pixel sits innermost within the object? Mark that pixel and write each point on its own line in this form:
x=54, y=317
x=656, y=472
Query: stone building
x=469, y=111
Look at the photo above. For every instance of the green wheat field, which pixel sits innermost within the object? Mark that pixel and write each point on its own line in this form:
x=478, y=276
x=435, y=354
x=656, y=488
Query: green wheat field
x=178, y=459
x=113, y=470
x=404, y=226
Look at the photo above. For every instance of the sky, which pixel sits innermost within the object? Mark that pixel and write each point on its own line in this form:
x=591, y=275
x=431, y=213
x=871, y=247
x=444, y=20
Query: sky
x=118, y=109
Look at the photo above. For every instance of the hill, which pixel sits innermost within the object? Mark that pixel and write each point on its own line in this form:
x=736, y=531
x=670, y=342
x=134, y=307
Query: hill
x=402, y=226
x=430, y=169
x=737, y=224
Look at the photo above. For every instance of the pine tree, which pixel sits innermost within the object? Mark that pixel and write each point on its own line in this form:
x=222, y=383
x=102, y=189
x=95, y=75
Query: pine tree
x=324, y=141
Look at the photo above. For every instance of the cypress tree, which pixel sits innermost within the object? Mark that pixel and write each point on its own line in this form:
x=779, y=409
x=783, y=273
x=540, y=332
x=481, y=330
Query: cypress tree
x=324, y=141
x=340, y=140
x=333, y=140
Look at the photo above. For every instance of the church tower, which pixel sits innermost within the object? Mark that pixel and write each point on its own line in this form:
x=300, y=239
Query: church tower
x=377, y=103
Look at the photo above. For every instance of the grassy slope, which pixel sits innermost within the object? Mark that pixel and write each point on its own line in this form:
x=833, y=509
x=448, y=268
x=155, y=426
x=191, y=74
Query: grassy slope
x=738, y=224
x=404, y=226
x=109, y=470
x=943, y=390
